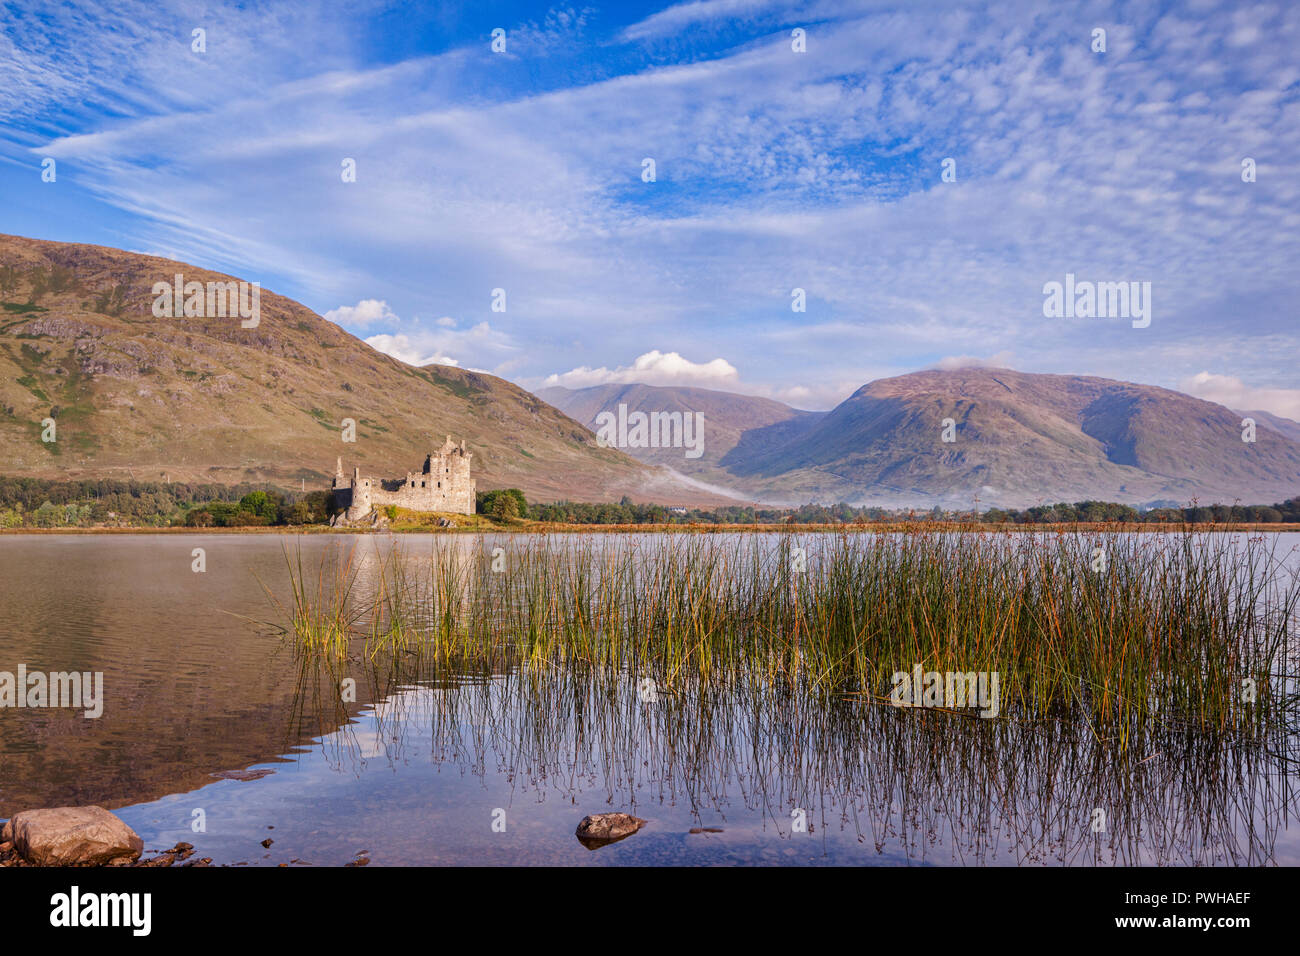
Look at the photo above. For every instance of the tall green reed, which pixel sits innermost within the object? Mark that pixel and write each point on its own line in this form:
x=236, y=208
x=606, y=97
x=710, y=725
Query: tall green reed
x=1112, y=629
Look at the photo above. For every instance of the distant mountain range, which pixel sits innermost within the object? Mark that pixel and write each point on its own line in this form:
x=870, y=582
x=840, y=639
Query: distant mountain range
x=1018, y=439
x=204, y=399
x=728, y=417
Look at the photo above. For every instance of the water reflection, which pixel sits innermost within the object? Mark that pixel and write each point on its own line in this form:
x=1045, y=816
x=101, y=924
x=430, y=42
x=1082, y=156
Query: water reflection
x=880, y=782
x=414, y=766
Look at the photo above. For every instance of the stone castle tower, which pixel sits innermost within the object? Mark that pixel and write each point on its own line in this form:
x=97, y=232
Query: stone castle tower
x=443, y=485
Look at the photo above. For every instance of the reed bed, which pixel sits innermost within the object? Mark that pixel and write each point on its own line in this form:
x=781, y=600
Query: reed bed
x=1193, y=630
x=323, y=618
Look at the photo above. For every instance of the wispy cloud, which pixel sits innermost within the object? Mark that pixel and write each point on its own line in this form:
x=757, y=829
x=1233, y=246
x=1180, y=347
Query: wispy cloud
x=683, y=15
x=775, y=171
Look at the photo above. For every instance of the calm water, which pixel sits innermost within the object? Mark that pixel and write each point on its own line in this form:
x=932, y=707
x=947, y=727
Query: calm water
x=428, y=772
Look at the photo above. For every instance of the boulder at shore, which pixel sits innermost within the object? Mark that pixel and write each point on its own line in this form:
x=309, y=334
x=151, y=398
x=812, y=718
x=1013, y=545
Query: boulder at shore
x=72, y=836
x=602, y=828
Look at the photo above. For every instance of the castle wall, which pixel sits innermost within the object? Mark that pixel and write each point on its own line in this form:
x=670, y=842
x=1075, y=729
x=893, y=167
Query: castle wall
x=444, y=485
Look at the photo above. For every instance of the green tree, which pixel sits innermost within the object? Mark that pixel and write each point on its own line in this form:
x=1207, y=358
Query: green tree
x=48, y=515
x=504, y=507
x=261, y=504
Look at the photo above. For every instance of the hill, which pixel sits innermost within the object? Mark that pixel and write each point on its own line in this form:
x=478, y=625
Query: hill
x=1019, y=439
x=1283, y=426
x=727, y=418
x=205, y=399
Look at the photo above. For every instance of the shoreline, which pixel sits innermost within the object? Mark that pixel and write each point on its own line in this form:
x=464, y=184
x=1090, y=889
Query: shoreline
x=540, y=527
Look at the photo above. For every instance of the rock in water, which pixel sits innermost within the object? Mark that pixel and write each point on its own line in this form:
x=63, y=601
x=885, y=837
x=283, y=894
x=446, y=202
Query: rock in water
x=70, y=836
x=602, y=828
x=241, y=774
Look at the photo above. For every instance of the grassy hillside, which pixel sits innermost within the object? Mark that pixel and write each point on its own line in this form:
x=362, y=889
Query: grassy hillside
x=203, y=399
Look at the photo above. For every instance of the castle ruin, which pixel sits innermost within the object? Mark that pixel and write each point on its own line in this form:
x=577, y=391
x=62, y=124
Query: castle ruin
x=444, y=485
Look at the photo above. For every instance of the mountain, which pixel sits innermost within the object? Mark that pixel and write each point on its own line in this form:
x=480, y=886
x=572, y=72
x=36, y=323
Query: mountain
x=1283, y=426
x=205, y=399
x=727, y=417
x=1019, y=439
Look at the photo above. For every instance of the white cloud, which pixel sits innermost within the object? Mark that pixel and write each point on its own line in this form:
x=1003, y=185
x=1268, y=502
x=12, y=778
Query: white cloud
x=1235, y=394
x=364, y=313
x=424, y=346
x=653, y=368
x=403, y=349
x=1001, y=359
x=818, y=397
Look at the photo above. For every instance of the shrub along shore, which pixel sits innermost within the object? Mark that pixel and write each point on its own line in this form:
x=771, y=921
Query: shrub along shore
x=428, y=526
x=34, y=504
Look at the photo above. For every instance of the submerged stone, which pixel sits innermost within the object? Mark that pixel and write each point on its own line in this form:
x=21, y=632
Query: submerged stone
x=241, y=774
x=602, y=828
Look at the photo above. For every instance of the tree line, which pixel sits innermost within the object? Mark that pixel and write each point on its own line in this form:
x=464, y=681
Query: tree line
x=53, y=503
x=626, y=512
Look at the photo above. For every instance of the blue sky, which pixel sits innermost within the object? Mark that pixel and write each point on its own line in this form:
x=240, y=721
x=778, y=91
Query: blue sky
x=775, y=170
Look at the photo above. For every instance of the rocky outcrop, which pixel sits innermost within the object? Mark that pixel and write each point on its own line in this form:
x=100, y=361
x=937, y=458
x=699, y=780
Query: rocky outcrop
x=374, y=521
x=72, y=836
x=600, y=829
x=245, y=775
